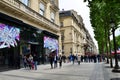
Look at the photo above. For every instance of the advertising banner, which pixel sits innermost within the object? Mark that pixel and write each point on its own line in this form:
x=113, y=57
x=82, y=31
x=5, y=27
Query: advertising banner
x=50, y=43
x=9, y=35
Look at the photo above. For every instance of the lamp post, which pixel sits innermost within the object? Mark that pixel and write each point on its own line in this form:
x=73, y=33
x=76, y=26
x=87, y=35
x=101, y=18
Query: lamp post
x=109, y=45
x=112, y=24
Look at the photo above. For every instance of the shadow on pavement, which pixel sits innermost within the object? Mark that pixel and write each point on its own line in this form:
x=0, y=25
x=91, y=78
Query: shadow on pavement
x=4, y=68
x=115, y=79
x=107, y=67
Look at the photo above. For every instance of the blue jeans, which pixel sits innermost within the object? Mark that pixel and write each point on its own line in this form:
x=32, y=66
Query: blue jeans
x=35, y=64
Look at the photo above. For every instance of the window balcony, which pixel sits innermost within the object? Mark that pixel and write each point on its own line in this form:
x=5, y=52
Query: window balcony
x=20, y=9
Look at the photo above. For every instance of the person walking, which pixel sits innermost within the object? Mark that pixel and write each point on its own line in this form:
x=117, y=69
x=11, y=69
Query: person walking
x=55, y=61
x=25, y=61
x=51, y=59
x=35, y=59
x=73, y=58
x=60, y=61
x=78, y=59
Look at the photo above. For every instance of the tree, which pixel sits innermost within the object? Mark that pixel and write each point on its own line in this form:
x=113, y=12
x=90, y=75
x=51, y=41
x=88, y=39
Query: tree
x=101, y=12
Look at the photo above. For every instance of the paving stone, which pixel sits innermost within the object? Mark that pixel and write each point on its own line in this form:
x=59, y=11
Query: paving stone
x=84, y=71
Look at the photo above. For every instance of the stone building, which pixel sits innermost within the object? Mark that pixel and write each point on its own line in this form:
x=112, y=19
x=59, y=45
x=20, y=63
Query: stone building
x=74, y=36
x=28, y=27
x=71, y=32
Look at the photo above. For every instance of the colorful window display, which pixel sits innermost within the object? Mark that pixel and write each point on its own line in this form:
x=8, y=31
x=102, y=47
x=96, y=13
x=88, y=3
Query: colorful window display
x=9, y=35
x=50, y=43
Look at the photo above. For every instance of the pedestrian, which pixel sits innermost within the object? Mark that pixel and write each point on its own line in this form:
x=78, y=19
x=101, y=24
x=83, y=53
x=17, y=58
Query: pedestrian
x=82, y=58
x=73, y=58
x=51, y=59
x=31, y=63
x=25, y=61
x=64, y=58
x=55, y=61
x=78, y=59
x=94, y=58
x=60, y=61
x=35, y=59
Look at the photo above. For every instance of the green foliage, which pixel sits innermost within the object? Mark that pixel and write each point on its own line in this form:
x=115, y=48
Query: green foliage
x=101, y=13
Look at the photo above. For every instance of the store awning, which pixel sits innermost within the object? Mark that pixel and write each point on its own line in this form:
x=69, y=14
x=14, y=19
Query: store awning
x=118, y=52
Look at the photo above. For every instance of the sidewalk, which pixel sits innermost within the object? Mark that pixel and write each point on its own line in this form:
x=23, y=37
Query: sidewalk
x=110, y=74
x=84, y=71
x=27, y=74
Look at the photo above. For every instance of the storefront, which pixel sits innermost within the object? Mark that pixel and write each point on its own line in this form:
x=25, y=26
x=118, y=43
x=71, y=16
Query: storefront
x=18, y=39
x=9, y=43
x=50, y=44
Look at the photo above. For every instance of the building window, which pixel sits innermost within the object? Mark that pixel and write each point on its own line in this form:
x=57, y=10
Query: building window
x=26, y=2
x=42, y=9
x=61, y=24
x=52, y=17
x=52, y=1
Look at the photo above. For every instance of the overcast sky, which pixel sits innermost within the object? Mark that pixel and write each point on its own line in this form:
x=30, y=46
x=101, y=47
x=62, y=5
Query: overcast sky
x=81, y=8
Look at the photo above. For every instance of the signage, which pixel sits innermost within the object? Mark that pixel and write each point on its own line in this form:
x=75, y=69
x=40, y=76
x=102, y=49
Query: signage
x=50, y=43
x=9, y=35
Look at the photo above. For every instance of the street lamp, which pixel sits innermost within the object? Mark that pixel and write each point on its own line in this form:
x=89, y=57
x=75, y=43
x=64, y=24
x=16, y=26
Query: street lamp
x=112, y=24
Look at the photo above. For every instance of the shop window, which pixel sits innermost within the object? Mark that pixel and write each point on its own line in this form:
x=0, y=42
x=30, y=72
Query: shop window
x=50, y=45
x=9, y=35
